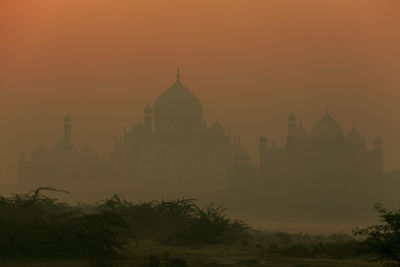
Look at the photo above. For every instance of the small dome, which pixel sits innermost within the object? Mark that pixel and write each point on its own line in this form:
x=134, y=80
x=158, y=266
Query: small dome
x=217, y=129
x=328, y=130
x=40, y=152
x=300, y=132
x=147, y=109
x=355, y=138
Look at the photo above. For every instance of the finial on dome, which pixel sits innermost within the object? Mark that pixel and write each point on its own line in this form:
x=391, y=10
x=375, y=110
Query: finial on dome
x=178, y=73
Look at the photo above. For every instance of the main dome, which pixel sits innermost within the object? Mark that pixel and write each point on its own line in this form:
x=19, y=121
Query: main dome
x=178, y=107
x=328, y=130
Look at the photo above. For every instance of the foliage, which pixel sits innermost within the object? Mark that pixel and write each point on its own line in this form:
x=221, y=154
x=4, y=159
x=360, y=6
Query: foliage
x=383, y=240
x=33, y=225
x=178, y=222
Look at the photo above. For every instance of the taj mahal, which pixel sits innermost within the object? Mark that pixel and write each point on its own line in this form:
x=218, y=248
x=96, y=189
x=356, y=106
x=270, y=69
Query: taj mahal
x=173, y=148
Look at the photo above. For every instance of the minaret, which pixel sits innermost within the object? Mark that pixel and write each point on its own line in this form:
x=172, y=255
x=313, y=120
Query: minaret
x=178, y=74
x=291, y=129
x=378, y=143
x=291, y=124
x=263, y=142
x=263, y=149
x=67, y=129
x=148, y=120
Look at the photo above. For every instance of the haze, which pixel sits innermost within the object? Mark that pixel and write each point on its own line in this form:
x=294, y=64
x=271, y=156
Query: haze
x=249, y=62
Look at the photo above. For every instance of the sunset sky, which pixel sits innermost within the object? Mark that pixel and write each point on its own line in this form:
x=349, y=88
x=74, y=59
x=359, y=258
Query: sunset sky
x=250, y=63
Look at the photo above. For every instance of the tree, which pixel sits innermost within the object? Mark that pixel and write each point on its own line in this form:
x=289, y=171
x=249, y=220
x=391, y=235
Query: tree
x=383, y=240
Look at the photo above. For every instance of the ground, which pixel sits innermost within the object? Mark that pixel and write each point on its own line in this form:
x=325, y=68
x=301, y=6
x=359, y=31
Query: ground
x=209, y=255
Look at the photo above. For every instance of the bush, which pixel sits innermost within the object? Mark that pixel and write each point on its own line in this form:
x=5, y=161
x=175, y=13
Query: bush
x=35, y=226
x=383, y=240
x=178, y=222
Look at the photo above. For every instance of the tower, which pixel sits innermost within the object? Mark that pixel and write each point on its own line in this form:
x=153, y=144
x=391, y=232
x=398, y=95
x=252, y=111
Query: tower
x=291, y=128
x=148, y=120
x=291, y=124
x=263, y=148
x=378, y=143
x=67, y=130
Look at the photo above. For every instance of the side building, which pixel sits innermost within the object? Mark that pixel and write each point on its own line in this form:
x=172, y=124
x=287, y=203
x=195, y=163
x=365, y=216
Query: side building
x=63, y=165
x=324, y=157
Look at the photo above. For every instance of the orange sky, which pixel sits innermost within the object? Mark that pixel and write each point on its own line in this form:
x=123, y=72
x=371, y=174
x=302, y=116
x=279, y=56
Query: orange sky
x=249, y=62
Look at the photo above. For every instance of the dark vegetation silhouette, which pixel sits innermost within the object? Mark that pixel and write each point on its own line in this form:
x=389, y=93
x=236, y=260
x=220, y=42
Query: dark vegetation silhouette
x=34, y=226
x=383, y=240
x=163, y=260
x=177, y=222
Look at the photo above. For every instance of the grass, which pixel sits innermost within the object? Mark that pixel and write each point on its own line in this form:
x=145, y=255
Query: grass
x=223, y=255
x=237, y=255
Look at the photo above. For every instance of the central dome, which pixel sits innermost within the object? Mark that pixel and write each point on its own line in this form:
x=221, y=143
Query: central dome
x=177, y=107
